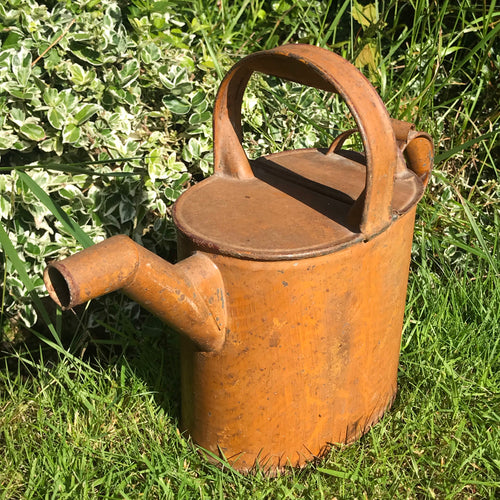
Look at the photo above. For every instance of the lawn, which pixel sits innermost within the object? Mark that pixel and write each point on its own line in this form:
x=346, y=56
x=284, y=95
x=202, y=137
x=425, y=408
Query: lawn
x=106, y=119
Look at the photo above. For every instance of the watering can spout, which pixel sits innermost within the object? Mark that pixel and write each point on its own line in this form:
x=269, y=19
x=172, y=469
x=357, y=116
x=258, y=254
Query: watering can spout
x=188, y=296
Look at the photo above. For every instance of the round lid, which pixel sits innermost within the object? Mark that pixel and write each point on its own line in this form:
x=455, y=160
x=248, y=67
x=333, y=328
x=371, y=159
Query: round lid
x=300, y=203
x=297, y=205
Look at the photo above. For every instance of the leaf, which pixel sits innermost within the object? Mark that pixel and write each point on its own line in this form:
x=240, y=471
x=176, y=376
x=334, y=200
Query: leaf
x=159, y=23
x=369, y=56
x=366, y=15
x=182, y=180
x=18, y=91
x=129, y=72
x=5, y=207
x=177, y=105
x=52, y=144
x=21, y=66
x=150, y=53
x=182, y=88
x=11, y=42
x=198, y=99
x=7, y=139
x=127, y=210
x=69, y=100
x=85, y=111
x=71, y=133
x=33, y=131
x=79, y=76
x=160, y=6
x=17, y=116
x=156, y=166
x=32, y=249
x=21, y=145
x=56, y=118
x=173, y=165
x=85, y=53
x=112, y=16
x=197, y=118
x=194, y=148
x=70, y=192
x=51, y=97
x=171, y=194
x=84, y=36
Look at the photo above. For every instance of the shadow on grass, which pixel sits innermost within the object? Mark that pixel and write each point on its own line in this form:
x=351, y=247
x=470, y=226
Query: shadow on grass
x=140, y=341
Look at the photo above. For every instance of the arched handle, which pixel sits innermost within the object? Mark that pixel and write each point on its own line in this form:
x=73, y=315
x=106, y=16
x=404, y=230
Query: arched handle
x=322, y=69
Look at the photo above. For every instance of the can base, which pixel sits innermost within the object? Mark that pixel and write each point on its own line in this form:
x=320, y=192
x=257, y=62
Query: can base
x=275, y=466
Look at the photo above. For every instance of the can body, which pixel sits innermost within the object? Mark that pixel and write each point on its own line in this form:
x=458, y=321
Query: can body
x=311, y=352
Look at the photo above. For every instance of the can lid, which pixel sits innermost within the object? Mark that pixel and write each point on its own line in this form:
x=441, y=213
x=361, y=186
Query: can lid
x=297, y=205
x=308, y=202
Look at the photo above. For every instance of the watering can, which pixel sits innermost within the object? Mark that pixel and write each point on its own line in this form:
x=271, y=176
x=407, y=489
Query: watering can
x=290, y=290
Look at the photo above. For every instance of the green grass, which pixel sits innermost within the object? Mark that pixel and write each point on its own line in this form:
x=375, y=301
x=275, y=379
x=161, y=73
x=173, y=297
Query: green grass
x=89, y=401
x=111, y=432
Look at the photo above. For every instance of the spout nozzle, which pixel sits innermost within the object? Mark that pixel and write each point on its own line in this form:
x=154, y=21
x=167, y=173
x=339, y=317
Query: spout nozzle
x=58, y=287
x=95, y=271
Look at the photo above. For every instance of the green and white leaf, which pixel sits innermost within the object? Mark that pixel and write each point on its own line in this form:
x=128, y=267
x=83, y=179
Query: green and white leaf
x=32, y=131
x=71, y=133
x=85, y=112
x=21, y=66
x=57, y=117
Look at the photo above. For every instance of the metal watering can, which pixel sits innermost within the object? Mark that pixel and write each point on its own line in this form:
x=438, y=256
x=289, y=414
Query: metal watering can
x=291, y=287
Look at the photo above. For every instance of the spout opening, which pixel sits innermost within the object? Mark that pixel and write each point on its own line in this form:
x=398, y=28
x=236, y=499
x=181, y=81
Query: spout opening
x=57, y=287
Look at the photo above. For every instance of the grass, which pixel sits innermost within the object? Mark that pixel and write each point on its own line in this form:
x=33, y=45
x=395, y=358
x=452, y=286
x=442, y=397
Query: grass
x=70, y=431
x=93, y=412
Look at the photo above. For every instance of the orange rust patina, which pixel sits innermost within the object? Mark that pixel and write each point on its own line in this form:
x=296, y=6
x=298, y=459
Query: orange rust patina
x=291, y=292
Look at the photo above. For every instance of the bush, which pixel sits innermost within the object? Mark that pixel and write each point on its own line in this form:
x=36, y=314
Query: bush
x=112, y=102
x=114, y=109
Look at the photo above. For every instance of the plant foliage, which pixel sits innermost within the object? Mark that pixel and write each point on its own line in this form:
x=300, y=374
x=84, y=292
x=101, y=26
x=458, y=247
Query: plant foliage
x=112, y=109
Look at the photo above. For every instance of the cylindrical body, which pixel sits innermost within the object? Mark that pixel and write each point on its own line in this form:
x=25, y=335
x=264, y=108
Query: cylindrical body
x=311, y=352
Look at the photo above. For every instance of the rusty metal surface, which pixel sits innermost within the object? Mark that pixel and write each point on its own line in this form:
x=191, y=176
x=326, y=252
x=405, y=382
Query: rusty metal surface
x=187, y=296
x=291, y=289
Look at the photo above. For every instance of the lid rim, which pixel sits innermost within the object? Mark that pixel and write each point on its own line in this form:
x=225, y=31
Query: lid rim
x=218, y=248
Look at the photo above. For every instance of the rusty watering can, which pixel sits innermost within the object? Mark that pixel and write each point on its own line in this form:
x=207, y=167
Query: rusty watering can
x=291, y=289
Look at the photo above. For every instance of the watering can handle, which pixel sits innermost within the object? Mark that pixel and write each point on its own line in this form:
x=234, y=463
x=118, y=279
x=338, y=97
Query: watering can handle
x=322, y=69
